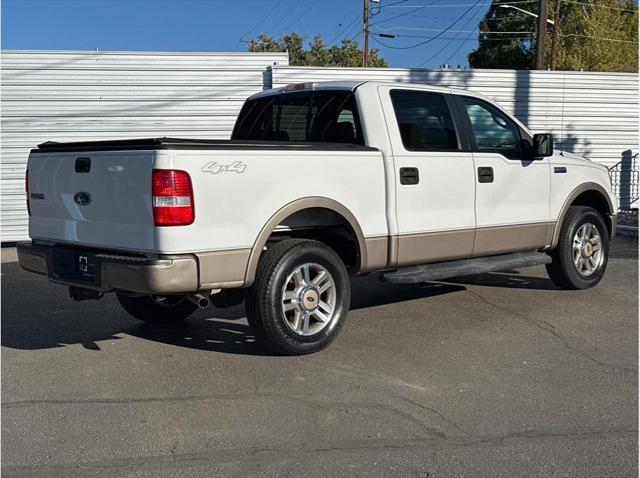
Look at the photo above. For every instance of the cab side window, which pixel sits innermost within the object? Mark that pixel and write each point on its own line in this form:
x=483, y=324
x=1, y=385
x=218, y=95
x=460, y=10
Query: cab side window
x=493, y=131
x=424, y=121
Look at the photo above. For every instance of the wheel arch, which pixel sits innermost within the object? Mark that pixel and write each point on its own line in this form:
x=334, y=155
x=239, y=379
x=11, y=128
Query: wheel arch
x=587, y=194
x=297, y=206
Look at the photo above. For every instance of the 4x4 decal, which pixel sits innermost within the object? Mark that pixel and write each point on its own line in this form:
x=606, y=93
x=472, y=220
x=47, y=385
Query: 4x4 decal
x=215, y=168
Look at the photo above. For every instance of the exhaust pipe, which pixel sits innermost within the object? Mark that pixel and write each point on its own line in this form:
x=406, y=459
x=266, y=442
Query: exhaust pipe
x=199, y=299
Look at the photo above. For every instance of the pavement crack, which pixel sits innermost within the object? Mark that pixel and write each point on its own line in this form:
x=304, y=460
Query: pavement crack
x=552, y=330
x=265, y=455
x=438, y=413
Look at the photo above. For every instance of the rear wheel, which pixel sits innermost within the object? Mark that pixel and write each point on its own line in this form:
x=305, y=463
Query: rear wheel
x=300, y=298
x=580, y=259
x=157, y=309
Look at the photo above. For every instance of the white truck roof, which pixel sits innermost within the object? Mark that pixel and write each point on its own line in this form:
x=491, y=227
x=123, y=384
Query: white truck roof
x=347, y=85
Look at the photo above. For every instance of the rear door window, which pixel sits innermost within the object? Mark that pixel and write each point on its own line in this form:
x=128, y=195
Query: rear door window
x=424, y=121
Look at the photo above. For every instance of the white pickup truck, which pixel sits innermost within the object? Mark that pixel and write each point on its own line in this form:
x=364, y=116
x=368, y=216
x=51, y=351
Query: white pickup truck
x=320, y=181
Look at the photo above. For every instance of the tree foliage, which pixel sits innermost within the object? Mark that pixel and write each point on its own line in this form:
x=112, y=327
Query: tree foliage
x=347, y=53
x=581, y=46
x=583, y=29
x=500, y=49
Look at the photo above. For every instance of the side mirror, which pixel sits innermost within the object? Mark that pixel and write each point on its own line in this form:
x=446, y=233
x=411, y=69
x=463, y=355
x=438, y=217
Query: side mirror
x=542, y=145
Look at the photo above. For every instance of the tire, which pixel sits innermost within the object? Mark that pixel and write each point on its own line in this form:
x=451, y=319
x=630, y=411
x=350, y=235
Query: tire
x=576, y=264
x=154, y=310
x=308, y=279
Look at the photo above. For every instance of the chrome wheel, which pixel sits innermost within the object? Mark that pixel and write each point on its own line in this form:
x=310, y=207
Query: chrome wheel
x=309, y=299
x=587, y=250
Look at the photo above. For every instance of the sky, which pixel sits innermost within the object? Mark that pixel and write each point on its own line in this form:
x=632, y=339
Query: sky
x=221, y=25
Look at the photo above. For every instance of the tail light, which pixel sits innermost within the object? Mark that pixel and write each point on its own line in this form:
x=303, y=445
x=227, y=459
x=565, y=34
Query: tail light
x=172, y=198
x=26, y=190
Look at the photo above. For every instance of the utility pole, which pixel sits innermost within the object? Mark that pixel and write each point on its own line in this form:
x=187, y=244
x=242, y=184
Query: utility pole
x=542, y=34
x=554, y=35
x=365, y=56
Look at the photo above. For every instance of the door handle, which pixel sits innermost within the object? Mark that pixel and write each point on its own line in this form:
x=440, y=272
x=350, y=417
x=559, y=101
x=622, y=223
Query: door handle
x=485, y=174
x=409, y=176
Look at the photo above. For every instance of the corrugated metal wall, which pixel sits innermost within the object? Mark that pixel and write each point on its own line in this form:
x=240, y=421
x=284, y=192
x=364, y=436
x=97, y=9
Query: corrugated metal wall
x=65, y=96
x=594, y=115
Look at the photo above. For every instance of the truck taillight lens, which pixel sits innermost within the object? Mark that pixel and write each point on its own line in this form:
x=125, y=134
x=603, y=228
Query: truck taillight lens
x=172, y=198
x=26, y=190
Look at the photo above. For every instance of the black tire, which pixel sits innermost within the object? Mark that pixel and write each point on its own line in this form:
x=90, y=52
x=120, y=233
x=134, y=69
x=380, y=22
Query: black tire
x=263, y=301
x=153, y=311
x=562, y=271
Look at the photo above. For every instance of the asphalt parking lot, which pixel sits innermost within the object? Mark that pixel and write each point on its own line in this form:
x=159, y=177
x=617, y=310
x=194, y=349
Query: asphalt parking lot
x=491, y=375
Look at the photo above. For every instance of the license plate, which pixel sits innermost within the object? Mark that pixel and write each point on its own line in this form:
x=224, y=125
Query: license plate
x=86, y=268
x=76, y=265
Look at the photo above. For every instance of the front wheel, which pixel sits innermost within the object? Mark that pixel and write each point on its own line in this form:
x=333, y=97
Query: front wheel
x=157, y=309
x=580, y=259
x=300, y=298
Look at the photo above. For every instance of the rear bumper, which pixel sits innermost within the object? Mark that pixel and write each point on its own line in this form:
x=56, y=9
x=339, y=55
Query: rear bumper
x=165, y=275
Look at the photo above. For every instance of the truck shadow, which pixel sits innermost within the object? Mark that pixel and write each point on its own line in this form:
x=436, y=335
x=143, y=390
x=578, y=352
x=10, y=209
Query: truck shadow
x=38, y=315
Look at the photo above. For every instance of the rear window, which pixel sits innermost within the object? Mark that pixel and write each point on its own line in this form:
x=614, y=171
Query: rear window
x=312, y=117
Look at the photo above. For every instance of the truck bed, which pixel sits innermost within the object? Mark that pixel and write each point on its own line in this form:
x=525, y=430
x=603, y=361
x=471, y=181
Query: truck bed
x=99, y=193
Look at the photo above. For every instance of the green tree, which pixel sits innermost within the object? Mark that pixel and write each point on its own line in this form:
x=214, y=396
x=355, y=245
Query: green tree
x=500, y=49
x=588, y=34
x=585, y=41
x=347, y=53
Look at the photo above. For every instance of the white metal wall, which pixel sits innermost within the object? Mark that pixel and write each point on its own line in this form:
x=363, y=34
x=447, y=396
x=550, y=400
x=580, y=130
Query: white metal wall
x=66, y=96
x=594, y=115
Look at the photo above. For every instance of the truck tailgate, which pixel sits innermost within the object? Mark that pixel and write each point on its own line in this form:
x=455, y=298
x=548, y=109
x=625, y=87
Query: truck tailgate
x=92, y=198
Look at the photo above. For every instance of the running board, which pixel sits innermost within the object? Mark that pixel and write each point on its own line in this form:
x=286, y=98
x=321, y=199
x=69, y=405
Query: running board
x=465, y=267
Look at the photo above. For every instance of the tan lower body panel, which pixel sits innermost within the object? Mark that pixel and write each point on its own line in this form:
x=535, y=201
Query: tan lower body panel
x=377, y=253
x=226, y=269
x=519, y=237
x=433, y=246
x=221, y=269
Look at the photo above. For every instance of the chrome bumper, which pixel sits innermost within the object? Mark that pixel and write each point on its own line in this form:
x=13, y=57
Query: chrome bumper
x=164, y=275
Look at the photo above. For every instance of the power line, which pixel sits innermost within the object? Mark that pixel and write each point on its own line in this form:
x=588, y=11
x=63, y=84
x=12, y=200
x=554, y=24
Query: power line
x=342, y=30
x=289, y=12
x=264, y=18
x=599, y=38
x=303, y=14
x=393, y=4
x=471, y=17
x=462, y=5
x=452, y=31
x=454, y=38
x=455, y=52
x=406, y=13
x=595, y=5
x=451, y=25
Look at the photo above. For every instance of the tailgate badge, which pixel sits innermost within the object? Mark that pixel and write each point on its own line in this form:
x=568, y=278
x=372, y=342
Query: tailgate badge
x=82, y=198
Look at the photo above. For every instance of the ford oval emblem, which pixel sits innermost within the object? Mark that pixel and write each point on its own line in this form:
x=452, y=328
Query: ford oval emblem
x=82, y=198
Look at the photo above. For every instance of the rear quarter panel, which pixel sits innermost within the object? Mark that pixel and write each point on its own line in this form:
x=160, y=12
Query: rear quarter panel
x=231, y=207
